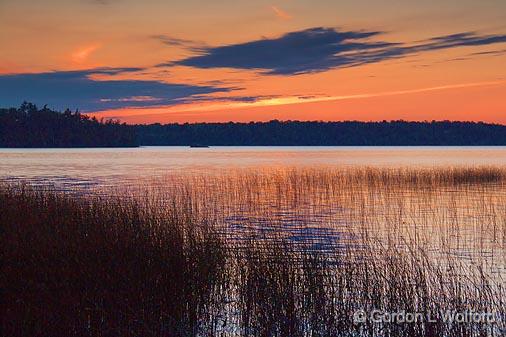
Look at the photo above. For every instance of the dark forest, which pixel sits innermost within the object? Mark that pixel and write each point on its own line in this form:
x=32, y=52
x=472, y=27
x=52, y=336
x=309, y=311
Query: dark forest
x=29, y=126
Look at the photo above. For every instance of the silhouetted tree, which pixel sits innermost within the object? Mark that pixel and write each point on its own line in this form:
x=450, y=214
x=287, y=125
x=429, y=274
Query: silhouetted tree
x=324, y=133
x=29, y=126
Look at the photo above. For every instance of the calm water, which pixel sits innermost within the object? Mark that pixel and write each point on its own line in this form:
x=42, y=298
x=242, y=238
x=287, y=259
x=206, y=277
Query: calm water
x=112, y=166
x=273, y=190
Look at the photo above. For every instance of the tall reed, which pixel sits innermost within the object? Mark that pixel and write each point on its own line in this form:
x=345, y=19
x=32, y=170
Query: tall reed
x=278, y=253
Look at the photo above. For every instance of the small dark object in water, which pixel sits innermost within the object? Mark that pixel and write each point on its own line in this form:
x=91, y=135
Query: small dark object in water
x=199, y=145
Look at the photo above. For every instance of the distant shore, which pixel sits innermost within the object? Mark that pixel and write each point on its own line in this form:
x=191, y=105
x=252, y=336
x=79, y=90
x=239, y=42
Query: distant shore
x=31, y=127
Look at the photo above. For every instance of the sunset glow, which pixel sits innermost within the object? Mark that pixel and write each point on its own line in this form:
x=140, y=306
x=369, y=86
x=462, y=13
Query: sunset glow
x=153, y=61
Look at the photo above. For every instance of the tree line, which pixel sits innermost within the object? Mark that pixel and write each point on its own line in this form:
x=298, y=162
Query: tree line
x=386, y=133
x=29, y=126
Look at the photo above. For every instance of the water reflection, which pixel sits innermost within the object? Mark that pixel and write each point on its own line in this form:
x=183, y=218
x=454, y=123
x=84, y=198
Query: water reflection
x=318, y=197
x=120, y=165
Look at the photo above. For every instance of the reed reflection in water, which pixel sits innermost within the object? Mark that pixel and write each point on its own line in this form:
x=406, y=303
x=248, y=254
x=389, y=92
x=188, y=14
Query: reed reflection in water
x=264, y=252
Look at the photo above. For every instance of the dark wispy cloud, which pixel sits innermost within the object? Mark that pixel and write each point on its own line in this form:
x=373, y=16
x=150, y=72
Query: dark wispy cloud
x=490, y=53
x=77, y=89
x=310, y=50
x=321, y=49
x=195, y=46
x=101, y=2
x=461, y=40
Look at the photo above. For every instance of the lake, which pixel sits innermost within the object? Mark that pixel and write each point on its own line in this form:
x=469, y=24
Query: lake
x=113, y=165
x=394, y=227
x=307, y=194
x=267, y=188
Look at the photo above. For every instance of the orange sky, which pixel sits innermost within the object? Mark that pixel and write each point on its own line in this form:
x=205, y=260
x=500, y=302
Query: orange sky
x=266, y=73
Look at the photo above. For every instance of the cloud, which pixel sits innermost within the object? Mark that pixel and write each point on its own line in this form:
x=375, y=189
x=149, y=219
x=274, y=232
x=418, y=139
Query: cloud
x=76, y=89
x=491, y=53
x=320, y=49
x=461, y=40
x=280, y=13
x=195, y=46
x=467, y=39
x=81, y=54
x=227, y=104
x=101, y=2
x=310, y=50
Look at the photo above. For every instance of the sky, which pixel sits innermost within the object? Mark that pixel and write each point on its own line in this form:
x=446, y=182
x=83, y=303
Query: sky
x=162, y=61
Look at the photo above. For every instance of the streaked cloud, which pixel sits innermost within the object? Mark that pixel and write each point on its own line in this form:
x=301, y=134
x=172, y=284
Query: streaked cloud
x=81, y=54
x=320, y=49
x=101, y=2
x=490, y=53
x=251, y=102
x=78, y=89
x=310, y=50
x=281, y=14
x=195, y=46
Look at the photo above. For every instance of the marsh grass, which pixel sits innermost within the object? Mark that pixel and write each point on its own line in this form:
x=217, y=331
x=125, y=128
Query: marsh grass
x=99, y=267
x=277, y=253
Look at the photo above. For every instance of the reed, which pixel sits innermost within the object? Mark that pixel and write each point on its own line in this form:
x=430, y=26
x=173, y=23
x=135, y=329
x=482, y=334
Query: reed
x=276, y=253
